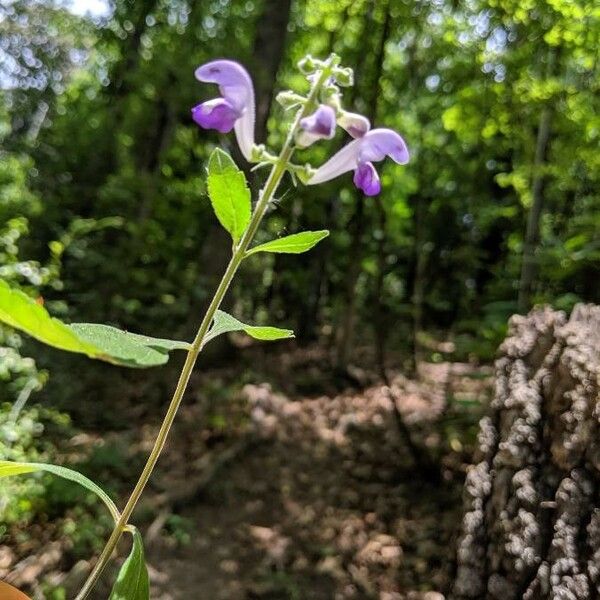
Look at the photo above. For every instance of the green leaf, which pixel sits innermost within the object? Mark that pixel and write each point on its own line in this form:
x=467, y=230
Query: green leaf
x=22, y=312
x=292, y=244
x=132, y=581
x=229, y=193
x=10, y=469
x=126, y=348
x=225, y=323
x=94, y=340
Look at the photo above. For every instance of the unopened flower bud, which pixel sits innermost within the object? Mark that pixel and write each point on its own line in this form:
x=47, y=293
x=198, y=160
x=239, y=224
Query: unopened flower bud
x=329, y=92
x=356, y=125
x=305, y=173
x=334, y=59
x=289, y=99
x=319, y=125
x=344, y=76
x=257, y=153
x=307, y=65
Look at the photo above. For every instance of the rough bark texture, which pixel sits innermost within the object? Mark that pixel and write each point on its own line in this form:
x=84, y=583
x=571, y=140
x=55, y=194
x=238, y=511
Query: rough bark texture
x=531, y=526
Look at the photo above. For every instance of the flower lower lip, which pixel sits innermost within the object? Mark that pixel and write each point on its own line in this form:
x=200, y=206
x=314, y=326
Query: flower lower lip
x=216, y=114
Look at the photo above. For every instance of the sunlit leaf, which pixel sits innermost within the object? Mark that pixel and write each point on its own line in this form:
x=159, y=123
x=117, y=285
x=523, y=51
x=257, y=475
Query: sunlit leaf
x=225, y=323
x=11, y=469
x=229, y=193
x=22, y=312
x=95, y=340
x=292, y=244
x=132, y=581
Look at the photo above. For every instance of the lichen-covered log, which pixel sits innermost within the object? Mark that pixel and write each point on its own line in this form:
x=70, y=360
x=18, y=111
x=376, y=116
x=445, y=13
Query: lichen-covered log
x=531, y=526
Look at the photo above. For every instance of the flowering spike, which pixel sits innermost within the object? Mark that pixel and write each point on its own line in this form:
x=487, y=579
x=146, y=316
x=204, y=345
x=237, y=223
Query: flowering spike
x=359, y=155
x=319, y=125
x=236, y=108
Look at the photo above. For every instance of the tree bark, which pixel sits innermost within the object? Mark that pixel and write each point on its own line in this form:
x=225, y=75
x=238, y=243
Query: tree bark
x=531, y=526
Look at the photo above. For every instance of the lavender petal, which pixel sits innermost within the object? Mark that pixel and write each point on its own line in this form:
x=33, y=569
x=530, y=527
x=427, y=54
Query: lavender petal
x=321, y=123
x=356, y=125
x=379, y=143
x=236, y=87
x=343, y=161
x=216, y=114
x=367, y=179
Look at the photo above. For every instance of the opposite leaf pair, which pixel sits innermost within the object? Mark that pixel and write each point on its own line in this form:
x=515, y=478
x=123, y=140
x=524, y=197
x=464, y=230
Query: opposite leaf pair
x=231, y=201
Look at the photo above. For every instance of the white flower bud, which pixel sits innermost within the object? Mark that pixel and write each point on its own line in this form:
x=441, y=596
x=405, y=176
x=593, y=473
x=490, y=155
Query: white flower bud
x=356, y=125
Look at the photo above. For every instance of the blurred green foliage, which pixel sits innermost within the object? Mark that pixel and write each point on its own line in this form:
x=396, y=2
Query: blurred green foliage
x=97, y=139
x=28, y=436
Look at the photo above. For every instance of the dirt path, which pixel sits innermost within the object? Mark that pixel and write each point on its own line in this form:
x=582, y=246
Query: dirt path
x=326, y=506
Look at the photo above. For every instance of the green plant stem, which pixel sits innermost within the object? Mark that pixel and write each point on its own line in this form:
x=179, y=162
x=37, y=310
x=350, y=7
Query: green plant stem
x=266, y=195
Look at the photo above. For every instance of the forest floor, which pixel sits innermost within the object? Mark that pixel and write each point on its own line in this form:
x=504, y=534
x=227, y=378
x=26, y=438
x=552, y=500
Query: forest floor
x=318, y=496
x=292, y=494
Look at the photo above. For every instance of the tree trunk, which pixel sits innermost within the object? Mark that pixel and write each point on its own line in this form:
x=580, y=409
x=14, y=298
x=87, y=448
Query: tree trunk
x=531, y=526
x=379, y=321
x=269, y=46
x=136, y=14
x=418, y=289
x=346, y=333
x=528, y=267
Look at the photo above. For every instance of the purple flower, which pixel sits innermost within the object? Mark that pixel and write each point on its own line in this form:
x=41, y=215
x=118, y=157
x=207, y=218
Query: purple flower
x=360, y=155
x=367, y=179
x=320, y=125
x=235, y=109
